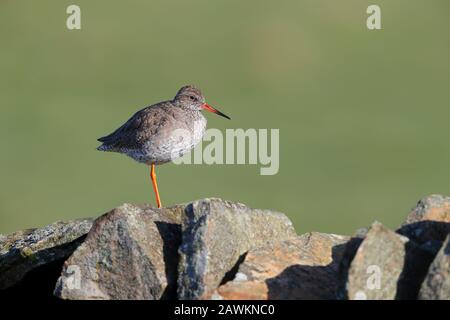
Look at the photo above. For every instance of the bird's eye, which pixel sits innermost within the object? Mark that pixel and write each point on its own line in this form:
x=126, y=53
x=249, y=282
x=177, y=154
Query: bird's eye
x=192, y=98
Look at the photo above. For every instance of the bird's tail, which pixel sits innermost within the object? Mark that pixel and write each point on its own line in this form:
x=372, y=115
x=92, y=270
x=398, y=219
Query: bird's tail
x=103, y=147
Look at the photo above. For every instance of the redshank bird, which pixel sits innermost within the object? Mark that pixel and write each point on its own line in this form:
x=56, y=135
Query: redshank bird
x=162, y=132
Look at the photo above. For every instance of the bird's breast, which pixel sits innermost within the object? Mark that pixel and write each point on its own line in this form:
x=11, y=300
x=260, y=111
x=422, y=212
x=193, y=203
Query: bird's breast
x=174, y=141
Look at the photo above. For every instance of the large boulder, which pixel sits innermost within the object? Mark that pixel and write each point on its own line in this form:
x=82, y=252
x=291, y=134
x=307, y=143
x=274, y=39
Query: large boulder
x=437, y=282
x=305, y=267
x=130, y=253
x=216, y=234
x=386, y=266
x=24, y=251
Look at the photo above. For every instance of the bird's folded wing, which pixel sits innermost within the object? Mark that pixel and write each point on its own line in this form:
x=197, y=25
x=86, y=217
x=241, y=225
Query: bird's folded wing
x=127, y=134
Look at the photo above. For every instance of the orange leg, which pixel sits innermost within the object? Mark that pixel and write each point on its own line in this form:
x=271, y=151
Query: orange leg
x=155, y=185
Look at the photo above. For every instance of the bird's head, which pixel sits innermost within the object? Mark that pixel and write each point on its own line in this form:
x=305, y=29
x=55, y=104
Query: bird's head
x=190, y=97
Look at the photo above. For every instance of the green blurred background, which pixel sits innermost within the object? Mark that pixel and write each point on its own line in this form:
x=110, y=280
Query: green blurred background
x=363, y=115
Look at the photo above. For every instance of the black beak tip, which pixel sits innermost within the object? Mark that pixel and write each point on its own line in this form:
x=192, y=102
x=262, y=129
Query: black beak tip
x=223, y=115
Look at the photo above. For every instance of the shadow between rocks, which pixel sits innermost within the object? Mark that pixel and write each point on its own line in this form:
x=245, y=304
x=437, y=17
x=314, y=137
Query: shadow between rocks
x=424, y=231
x=39, y=283
x=303, y=282
x=426, y=239
x=233, y=271
x=171, y=237
x=416, y=264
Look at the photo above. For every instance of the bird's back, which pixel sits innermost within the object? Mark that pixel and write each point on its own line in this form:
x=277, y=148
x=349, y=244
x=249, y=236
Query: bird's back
x=143, y=123
x=156, y=134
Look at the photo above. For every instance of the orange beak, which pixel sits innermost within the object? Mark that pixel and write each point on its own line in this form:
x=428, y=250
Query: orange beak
x=207, y=107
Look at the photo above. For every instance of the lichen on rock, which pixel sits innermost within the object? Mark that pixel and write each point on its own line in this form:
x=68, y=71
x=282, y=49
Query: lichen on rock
x=23, y=251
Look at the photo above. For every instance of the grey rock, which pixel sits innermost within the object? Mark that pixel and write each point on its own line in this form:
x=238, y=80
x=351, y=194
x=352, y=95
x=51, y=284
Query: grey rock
x=436, y=285
x=130, y=253
x=386, y=266
x=305, y=267
x=215, y=236
x=429, y=222
x=26, y=250
x=377, y=265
